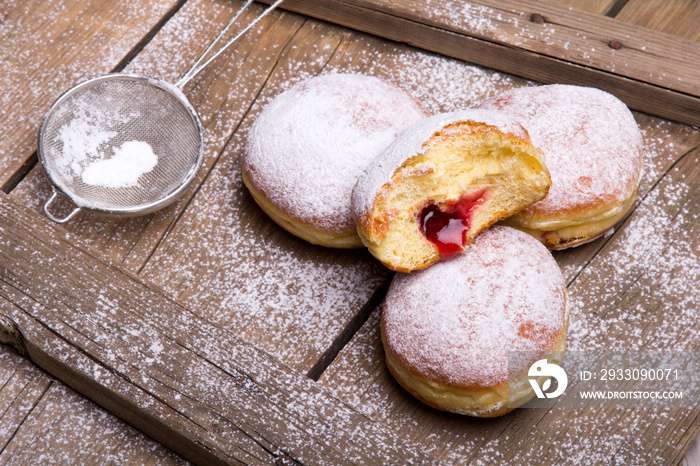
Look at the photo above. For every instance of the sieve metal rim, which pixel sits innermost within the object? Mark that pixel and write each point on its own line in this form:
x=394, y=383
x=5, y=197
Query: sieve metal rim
x=146, y=208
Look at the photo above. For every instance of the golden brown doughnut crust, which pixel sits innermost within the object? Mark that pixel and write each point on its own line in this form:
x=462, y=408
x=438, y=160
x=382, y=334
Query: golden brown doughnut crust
x=593, y=149
x=309, y=145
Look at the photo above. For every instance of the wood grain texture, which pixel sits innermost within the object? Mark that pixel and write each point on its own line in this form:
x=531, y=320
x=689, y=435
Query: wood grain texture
x=221, y=98
x=47, y=47
x=649, y=71
x=664, y=144
x=44, y=422
x=590, y=6
x=207, y=248
x=21, y=388
x=223, y=232
x=678, y=17
x=193, y=386
x=214, y=249
x=634, y=290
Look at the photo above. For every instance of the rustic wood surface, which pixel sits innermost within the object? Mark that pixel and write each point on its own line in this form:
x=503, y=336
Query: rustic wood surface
x=43, y=411
x=652, y=72
x=187, y=382
x=639, y=292
x=680, y=17
x=237, y=273
x=42, y=53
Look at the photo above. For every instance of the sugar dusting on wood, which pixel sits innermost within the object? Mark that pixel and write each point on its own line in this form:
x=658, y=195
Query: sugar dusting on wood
x=309, y=145
x=121, y=27
x=656, y=246
x=87, y=152
x=234, y=277
x=220, y=280
x=63, y=427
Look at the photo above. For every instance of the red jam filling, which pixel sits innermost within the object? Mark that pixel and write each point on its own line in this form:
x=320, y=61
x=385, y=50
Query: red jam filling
x=446, y=227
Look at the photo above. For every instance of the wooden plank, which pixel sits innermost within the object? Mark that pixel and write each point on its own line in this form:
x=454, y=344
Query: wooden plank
x=677, y=17
x=62, y=427
x=47, y=47
x=224, y=257
x=233, y=83
x=637, y=292
x=21, y=387
x=652, y=72
x=190, y=384
x=591, y=6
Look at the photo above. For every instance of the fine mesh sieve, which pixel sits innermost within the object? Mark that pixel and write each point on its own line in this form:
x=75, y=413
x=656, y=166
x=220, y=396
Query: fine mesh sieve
x=125, y=144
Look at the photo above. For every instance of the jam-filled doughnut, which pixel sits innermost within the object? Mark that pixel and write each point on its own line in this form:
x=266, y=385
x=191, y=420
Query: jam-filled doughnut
x=440, y=183
x=309, y=145
x=447, y=330
x=593, y=149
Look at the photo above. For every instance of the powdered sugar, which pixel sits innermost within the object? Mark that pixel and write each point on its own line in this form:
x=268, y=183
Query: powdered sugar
x=441, y=84
x=82, y=138
x=655, y=261
x=130, y=160
x=309, y=145
x=592, y=145
x=410, y=143
x=84, y=147
x=454, y=322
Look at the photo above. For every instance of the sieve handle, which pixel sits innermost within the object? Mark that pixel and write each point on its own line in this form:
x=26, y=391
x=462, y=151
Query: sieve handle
x=199, y=66
x=52, y=216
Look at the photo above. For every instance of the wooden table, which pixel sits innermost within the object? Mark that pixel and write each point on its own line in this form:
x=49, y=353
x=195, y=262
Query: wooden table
x=228, y=340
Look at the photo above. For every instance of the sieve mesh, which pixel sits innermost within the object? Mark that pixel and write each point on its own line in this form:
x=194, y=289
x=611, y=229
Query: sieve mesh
x=94, y=120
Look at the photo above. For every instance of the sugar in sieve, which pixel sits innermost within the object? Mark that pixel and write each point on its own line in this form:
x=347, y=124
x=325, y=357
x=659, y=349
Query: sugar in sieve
x=126, y=144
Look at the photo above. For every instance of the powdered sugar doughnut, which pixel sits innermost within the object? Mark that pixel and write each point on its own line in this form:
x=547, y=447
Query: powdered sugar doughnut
x=593, y=149
x=309, y=145
x=440, y=183
x=447, y=329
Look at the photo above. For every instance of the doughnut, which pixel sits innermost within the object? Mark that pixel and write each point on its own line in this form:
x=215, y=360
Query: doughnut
x=306, y=149
x=593, y=149
x=447, y=330
x=441, y=182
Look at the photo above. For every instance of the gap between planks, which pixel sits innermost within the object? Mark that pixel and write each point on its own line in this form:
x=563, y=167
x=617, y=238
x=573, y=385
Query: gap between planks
x=203, y=392
x=26, y=415
x=639, y=201
x=641, y=72
x=23, y=170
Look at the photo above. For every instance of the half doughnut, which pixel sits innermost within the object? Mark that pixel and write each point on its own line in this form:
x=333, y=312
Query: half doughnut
x=444, y=180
